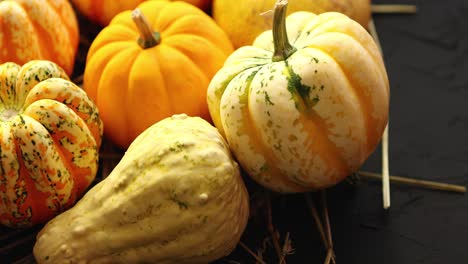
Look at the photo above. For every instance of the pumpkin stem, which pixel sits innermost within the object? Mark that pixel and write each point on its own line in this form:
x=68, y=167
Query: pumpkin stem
x=148, y=37
x=283, y=49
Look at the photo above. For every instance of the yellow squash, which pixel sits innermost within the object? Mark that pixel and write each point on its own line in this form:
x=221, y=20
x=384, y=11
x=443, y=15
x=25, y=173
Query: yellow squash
x=302, y=115
x=175, y=197
x=243, y=20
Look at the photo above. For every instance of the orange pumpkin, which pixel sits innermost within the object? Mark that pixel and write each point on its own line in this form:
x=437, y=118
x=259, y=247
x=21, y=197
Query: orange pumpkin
x=138, y=76
x=102, y=11
x=50, y=133
x=36, y=29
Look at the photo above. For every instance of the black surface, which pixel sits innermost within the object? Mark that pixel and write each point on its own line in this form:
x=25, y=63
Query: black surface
x=426, y=58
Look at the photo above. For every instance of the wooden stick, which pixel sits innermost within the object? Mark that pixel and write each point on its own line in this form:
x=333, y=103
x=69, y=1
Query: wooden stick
x=271, y=229
x=257, y=258
x=385, y=166
x=329, y=256
x=418, y=183
x=385, y=170
x=318, y=222
x=316, y=217
x=326, y=219
x=373, y=32
x=393, y=9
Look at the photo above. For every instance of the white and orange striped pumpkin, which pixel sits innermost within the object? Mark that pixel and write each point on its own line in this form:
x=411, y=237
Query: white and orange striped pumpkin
x=50, y=133
x=38, y=30
x=302, y=115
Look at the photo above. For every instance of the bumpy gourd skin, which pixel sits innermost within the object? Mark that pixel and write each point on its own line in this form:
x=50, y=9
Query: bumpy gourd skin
x=175, y=197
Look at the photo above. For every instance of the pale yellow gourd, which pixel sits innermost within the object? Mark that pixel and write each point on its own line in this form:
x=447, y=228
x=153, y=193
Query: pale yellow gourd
x=175, y=197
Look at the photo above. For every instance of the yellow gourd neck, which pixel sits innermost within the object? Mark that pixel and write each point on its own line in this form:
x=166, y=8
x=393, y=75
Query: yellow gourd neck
x=283, y=49
x=148, y=37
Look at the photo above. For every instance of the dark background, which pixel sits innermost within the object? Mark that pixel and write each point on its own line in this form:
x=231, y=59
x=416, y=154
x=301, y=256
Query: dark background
x=426, y=58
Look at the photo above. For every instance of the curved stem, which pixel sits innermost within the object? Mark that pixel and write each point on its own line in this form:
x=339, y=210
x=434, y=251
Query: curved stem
x=148, y=37
x=283, y=49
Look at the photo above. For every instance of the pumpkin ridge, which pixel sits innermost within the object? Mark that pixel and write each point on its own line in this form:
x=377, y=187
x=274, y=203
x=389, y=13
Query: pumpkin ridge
x=40, y=182
x=51, y=35
x=72, y=30
x=188, y=11
x=365, y=101
x=23, y=187
x=218, y=92
x=254, y=131
x=45, y=39
x=8, y=72
x=9, y=10
x=210, y=32
x=367, y=43
x=199, y=73
x=134, y=124
x=95, y=65
x=189, y=53
x=313, y=125
x=120, y=106
x=81, y=175
x=33, y=73
x=10, y=153
x=73, y=97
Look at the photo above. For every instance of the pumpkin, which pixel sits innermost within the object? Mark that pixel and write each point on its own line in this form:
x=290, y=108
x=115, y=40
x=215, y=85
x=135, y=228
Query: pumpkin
x=144, y=69
x=38, y=30
x=50, y=133
x=244, y=26
x=102, y=11
x=302, y=115
x=176, y=196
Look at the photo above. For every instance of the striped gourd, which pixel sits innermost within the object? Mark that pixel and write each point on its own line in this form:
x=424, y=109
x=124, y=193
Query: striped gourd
x=303, y=115
x=50, y=133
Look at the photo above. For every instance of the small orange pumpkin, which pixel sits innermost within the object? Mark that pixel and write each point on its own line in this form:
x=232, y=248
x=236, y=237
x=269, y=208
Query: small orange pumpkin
x=50, y=133
x=36, y=29
x=167, y=71
x=102, y=11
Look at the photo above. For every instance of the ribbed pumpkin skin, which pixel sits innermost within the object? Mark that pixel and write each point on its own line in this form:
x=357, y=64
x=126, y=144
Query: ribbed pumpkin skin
x=38, y=30
x=135, y=87
x=50, y=133
x=306, y=122
x=102, y=11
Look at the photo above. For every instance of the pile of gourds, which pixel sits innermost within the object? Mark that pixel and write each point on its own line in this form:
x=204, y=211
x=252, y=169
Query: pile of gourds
x=192, y=92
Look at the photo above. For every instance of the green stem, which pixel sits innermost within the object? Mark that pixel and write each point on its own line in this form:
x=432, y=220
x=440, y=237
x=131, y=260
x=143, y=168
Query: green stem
x=283, y=49
x=148, y=37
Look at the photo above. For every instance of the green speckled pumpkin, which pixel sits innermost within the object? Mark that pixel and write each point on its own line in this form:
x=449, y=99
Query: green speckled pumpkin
x=302, y=115
x=50, y=133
